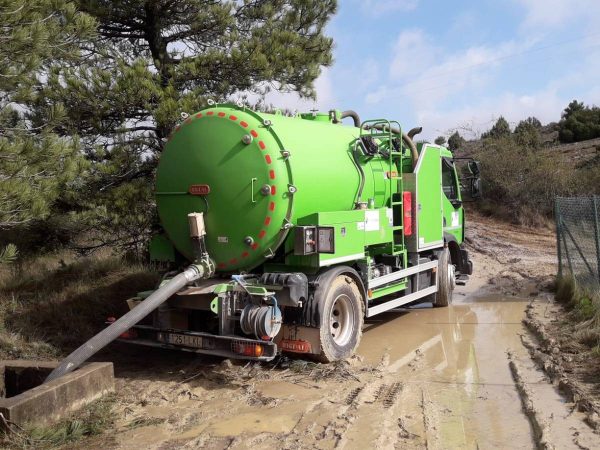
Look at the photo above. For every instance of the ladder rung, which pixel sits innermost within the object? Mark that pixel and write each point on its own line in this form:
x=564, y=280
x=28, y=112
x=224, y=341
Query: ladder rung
x=400, y=227
x=396, y=203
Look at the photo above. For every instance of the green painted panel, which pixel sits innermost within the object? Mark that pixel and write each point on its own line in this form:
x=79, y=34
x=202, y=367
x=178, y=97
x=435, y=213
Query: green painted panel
x=429, y=197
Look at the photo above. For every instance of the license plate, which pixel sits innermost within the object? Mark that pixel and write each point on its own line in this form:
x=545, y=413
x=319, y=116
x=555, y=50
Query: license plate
x=182, y=339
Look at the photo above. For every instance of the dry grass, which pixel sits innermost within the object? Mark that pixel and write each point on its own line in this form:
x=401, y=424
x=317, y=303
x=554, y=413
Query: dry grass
x=90, y=421
x=584, y=306
x=52, y=304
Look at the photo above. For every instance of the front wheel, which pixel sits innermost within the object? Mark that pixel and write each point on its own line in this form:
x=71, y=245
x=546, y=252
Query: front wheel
x=445, y=280
x=341, y=320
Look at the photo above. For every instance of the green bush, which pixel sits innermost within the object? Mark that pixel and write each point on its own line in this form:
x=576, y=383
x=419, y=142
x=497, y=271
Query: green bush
x=519, y=183
x=579, y=123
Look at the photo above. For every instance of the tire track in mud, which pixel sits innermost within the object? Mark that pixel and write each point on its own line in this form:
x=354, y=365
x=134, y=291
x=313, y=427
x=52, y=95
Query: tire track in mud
x=373, y=414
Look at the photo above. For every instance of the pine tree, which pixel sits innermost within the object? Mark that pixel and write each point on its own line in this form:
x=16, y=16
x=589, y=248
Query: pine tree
x=153, y=60
x=527, y=132
x=35, y=163
x=500, y=129
x=455, y=142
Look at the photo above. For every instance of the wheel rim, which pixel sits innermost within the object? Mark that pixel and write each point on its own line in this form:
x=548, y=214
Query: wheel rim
x=451, y=276
x=341, y=320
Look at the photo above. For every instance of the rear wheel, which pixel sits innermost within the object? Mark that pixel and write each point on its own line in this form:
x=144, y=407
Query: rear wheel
x=446, y=280
x=341, y=320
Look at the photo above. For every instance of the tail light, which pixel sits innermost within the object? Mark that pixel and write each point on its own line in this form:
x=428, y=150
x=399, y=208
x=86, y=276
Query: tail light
x=248, y=349
x=407, y=209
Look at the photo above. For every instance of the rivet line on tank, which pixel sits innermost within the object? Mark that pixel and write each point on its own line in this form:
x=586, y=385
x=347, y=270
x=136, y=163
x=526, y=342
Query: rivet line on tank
x=210, y=113
x=254, y=246
x=244, y=124
x=272, y=174
x=233, y=261
x=267, y=221
x=268, y=159
x=221, y=114
x=254, y=133
x=262, y=234
x=198, y=116
x=273, y=190
x=245, y=254
x=188, y=120
x=272, y=206
x=233, y=118
x=221, y=265
x=262, y=145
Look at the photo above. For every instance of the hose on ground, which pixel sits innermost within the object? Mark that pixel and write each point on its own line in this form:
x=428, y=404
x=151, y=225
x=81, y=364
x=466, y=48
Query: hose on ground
x=110, y=333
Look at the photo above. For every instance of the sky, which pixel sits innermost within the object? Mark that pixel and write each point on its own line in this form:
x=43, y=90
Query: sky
x=458, y=64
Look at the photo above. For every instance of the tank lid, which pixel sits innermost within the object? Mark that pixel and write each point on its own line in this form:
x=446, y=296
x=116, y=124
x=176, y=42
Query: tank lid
x=317, y=116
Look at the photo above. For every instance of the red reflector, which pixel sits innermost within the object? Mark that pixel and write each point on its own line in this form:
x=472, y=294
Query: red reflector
x=295, y=346
x=407, y=206
x=199, y=189
x=129, y=334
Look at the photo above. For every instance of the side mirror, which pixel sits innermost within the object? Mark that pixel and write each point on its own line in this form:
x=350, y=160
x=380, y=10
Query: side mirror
x=474, y=168
x=476, y=187
x=470, y=180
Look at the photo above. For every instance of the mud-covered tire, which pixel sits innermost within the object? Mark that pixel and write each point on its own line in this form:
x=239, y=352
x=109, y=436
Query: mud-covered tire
x=443, y=297
x=342, y=320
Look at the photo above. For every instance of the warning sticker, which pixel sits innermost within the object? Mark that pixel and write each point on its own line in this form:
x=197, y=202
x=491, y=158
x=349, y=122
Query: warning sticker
x=389, y=212
x=455, y=219
x=372, y=220
x=222, y=239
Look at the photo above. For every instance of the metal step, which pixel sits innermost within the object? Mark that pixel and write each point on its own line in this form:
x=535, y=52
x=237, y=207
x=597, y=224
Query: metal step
x=391, y=304
x=462, y=279
x=389, y=278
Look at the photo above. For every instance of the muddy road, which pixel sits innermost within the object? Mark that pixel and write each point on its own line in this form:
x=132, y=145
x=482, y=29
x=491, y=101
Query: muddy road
x=457, y=377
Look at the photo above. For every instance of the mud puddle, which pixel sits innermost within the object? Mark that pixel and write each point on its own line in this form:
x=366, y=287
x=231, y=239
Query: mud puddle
x=423, y=378
x=453, y=364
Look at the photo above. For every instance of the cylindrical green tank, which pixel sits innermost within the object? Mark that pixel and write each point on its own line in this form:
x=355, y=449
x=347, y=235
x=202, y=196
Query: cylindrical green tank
x=264, y=172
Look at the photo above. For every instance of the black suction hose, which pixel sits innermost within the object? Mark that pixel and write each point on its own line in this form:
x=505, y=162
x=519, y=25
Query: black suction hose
x=110, y=333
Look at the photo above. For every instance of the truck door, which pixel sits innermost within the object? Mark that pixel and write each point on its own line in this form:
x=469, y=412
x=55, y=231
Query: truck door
x=453, y=211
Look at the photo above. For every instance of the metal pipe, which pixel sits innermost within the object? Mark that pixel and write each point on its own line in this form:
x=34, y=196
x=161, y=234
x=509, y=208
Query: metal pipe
x=113, y=331
x=416, y=130
x=349, y=113
x=407, y=138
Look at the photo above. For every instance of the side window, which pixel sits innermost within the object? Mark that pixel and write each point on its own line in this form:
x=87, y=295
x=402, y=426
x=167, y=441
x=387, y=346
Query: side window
x=449, y=180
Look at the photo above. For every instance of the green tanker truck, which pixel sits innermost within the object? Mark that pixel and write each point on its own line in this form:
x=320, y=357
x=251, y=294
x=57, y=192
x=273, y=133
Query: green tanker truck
x=297, y=229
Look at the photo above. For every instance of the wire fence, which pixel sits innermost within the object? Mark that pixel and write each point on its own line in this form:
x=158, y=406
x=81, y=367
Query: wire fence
x=578, y=239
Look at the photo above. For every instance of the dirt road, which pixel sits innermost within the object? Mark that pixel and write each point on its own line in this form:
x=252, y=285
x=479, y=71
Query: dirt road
x=457, y=377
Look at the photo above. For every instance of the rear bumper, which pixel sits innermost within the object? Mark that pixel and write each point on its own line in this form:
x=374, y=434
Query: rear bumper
x=224, y=346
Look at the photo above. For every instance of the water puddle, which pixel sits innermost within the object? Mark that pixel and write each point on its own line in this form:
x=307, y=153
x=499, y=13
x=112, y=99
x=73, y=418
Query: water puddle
x=456, y=358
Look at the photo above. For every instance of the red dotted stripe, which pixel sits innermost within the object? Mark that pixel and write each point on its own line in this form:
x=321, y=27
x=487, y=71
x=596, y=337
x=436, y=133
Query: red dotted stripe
x=268, y=160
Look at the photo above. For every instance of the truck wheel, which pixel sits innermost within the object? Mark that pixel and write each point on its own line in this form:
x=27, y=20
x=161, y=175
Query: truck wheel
x=341, y=320
x=446, y=280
